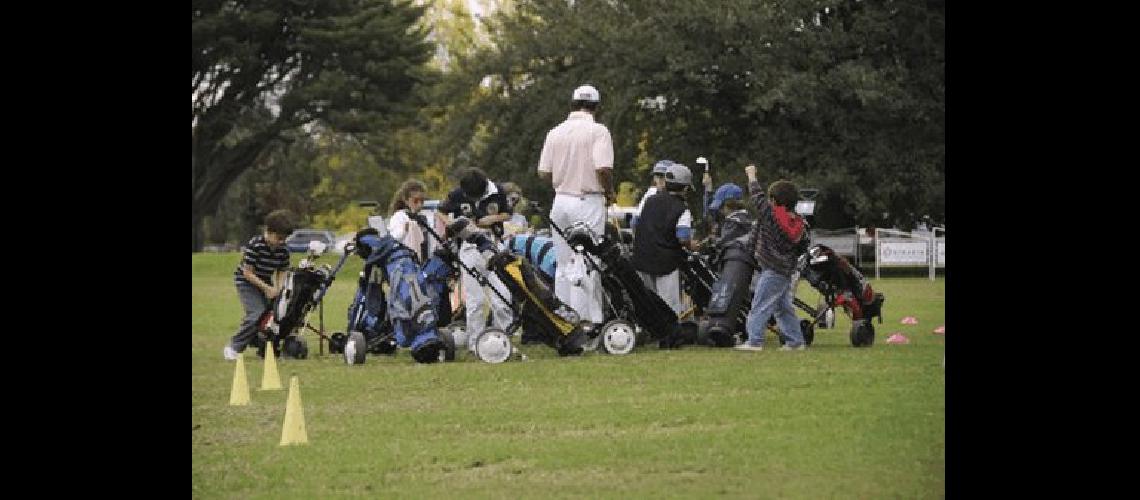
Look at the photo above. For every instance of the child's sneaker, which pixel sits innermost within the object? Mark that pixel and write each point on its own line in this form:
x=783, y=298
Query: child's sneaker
x=787, y=347
x=749, y=347
x=229, y=353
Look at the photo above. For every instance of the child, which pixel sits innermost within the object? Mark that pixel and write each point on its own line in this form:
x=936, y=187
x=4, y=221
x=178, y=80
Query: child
x=485, y=204
x=665, y=227
x=406, y=204
x=780, y=236
x=259, y=277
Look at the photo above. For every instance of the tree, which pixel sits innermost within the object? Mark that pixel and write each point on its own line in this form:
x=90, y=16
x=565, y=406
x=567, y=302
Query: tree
x=847, y=96
x=262, y=68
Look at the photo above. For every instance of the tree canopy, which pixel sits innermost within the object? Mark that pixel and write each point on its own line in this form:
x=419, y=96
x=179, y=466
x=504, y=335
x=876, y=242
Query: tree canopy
x=264, y=68
x=341, y=100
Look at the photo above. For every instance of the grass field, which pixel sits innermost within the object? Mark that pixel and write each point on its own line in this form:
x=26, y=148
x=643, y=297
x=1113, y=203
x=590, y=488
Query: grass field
x=830, y=422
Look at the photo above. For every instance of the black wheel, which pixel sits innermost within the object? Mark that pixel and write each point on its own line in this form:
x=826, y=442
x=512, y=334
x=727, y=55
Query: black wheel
x=295, y=347
x=336, y=342
x=808, y=329
x=862, y=334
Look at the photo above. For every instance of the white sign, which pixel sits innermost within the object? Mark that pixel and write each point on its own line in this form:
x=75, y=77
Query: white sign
x=940, y=253
x=903, y=252
x=842, y=245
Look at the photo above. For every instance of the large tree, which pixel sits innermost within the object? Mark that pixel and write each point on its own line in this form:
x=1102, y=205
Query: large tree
x=844, y=95
x=262, y=68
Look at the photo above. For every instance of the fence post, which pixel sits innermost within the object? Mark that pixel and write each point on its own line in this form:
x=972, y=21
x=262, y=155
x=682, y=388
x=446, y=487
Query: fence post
x=878, y=257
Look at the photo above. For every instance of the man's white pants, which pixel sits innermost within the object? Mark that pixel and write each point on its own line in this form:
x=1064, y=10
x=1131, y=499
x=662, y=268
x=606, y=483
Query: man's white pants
x=666, y=286
x=479, y=299
x=567, y=209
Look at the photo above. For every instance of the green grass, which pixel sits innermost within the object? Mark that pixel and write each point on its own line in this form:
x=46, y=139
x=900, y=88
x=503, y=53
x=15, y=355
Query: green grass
x=831, y=422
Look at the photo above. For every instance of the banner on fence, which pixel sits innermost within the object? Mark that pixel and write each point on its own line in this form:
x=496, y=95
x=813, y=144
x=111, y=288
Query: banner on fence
x=907, y=252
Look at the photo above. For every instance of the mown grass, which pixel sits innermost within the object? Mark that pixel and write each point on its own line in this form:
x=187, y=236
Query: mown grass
x=830, y=422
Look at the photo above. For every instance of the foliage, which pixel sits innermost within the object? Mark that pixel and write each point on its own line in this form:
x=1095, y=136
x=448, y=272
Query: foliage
x=263, y=68
x=846, y=96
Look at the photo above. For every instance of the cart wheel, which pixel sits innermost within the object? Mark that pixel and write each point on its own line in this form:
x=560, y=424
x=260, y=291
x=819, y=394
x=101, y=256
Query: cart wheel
x=493, y=346
x=618, y=337
x=448, y=351
x=808, y=329
x=296, y=347
x=355, y=349
x=336, y=342
x=862, y=334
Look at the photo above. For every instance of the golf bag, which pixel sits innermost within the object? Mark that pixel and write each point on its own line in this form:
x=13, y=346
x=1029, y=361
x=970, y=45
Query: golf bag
x=405, y=318
x=624, y=286
x=537, y=309
x=280, y=325
x=731, y=296
x=843, y=285
x=539, y=250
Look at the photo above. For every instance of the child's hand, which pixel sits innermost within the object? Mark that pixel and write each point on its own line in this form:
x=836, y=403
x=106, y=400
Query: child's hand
x=271, y=293
x=750, y=171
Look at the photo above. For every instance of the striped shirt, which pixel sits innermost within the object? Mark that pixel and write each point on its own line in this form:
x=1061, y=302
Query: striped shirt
x=777, y=233
x=263, y=259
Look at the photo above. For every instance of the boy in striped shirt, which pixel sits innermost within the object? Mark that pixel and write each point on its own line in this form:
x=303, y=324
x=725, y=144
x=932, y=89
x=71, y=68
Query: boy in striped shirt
x=259, y=277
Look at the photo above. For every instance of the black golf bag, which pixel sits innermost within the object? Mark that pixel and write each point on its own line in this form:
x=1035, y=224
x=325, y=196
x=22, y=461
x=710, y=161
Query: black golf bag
x=280, y=325
x=698, y=278
x=537, y=310
x=731, y=294
x=624, y=286
x=281, y=322
x=843, y=285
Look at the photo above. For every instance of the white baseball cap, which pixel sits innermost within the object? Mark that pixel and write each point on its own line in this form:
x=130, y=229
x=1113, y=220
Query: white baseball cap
x=586, y=93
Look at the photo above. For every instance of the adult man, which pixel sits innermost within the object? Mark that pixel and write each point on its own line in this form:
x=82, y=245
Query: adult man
x=577, y=157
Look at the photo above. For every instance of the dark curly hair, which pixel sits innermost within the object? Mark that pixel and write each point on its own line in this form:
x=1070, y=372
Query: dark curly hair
x=473, y=182
x=280, y=222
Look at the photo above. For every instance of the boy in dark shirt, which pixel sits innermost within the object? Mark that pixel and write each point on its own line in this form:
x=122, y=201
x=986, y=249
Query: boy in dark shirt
x=663, y=230
x=485, y=204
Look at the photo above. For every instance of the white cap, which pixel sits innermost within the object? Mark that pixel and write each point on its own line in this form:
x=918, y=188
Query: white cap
x=586, y=93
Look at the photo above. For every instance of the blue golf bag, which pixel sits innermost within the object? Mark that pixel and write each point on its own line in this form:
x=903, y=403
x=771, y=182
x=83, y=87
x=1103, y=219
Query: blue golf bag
x=406, y=317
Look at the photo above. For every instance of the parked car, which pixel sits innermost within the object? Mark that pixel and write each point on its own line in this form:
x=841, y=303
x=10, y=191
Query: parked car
x=298, y=242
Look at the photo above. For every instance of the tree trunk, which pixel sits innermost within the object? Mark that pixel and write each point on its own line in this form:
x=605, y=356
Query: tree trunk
x=216, y=168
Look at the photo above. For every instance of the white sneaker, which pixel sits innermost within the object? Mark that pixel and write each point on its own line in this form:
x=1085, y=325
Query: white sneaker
x=749, y=347
x=787, y=347
x=229, y=353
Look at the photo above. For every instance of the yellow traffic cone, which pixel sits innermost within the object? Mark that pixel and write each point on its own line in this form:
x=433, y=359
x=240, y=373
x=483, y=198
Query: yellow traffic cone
x=293, y=431
x=270, y=380
x=239, y=392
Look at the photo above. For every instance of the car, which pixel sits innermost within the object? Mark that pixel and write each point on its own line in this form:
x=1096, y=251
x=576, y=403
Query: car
x=298, y=242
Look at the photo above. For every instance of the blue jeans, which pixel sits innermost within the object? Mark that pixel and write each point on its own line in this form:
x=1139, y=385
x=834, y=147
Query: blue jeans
x=773, y=296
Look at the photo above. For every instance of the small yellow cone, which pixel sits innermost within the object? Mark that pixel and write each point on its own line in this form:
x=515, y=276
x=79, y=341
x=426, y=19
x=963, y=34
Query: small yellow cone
x=270, y=380
x=239, y=392
x=293, y=431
